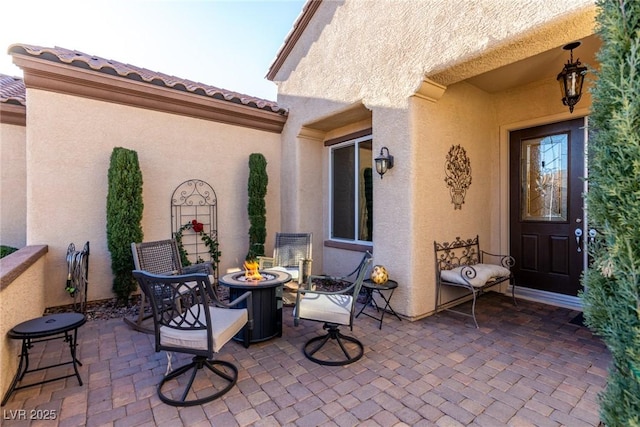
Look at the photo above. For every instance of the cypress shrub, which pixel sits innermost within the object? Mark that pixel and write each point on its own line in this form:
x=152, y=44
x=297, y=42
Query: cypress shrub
x=124, y=213
x=612, y=295
x=257, y=188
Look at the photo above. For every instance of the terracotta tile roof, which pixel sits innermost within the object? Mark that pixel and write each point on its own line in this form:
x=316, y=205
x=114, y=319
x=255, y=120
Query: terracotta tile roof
x=12, y=90
x=108, y=66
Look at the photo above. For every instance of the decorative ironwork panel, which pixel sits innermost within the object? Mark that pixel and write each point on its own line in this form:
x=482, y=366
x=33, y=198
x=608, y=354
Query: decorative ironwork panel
x=544, y=170
x=194, y=222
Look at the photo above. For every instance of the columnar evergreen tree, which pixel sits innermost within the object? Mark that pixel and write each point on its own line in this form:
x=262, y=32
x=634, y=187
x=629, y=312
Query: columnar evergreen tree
x=612, y=293
x=257, y=188
x=124, y=213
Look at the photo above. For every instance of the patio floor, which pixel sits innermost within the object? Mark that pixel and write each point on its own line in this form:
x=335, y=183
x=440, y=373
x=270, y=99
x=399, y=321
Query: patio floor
x=525, y=366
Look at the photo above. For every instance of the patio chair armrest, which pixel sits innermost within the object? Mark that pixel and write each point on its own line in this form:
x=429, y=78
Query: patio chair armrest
x=266, y=262
x=201, y=267
x=248, y=297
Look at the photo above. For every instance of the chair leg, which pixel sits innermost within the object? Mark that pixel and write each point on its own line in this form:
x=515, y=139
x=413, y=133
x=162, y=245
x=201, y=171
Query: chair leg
x=137, y=324
x=473, y=310
x=334, y=338
x=224, y=371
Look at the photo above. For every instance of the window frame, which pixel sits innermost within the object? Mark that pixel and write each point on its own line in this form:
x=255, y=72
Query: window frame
x=354, y=141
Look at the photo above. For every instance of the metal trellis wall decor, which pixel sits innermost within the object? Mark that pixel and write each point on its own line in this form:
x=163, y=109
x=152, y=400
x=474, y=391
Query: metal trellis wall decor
x=458, y=175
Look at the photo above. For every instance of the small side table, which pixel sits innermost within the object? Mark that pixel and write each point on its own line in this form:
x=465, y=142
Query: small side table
x=42, y=329
x=370, y=287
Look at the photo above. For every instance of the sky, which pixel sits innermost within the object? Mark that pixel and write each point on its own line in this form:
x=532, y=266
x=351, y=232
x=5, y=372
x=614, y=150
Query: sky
x=229, y=44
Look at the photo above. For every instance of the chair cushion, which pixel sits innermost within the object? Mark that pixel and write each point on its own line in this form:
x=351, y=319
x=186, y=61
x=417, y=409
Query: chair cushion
x=326, y=308
x=484, y=273
x=225, y=324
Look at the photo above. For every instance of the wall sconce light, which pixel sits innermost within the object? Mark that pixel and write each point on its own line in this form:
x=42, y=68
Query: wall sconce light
x=571, y=78
x=384, y=162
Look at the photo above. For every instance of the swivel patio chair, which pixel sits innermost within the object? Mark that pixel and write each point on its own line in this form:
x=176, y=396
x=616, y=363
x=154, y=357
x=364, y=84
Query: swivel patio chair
x=201, y=325
x=334, y=309
x=160, y=257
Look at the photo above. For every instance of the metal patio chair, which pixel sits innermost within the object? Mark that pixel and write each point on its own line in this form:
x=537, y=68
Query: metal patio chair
x=334, y=309
x=291, y=253
x=188, y=318
x=160, y=257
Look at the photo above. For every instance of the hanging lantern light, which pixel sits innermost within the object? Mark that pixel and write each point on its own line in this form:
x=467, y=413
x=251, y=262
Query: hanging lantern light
x=571, y=79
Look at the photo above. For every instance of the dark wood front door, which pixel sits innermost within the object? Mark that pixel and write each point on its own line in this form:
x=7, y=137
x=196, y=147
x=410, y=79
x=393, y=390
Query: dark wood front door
x=546, y=207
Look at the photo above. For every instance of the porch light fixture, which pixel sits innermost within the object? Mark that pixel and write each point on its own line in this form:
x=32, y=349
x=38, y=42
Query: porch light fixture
x=384, y=162
x=571, y=78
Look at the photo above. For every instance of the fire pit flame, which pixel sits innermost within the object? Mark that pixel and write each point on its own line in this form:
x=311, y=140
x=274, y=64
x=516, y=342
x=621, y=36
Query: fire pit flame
x=251, y=270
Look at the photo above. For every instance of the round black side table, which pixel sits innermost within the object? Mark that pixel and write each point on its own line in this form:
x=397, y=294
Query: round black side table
x=42, y=329
x=369, y=288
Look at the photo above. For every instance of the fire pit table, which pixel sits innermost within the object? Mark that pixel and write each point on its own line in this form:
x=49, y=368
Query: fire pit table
x=267, y=301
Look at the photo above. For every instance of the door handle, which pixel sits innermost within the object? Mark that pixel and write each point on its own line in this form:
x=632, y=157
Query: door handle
x=592, y=235
x=578, y=233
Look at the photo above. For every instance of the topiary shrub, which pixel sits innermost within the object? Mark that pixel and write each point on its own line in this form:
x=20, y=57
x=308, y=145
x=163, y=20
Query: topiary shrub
x=257, y=188
x=612, y=294
x=124, y=213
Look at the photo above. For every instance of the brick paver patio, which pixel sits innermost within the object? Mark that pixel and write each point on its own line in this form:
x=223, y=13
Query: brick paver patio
x=525, y=366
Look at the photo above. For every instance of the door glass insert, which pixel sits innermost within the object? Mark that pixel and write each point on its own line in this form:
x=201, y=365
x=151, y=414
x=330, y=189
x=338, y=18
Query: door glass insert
x=544, y=171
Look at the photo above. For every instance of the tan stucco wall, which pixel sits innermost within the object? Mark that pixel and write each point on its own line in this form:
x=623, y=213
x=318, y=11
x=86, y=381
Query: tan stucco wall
x=21, y=300
x=69, y=143
x=13, y=181
x=377, y=54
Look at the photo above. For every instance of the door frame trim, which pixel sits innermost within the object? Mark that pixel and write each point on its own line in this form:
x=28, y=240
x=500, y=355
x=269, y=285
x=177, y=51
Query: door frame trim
x=505, y=129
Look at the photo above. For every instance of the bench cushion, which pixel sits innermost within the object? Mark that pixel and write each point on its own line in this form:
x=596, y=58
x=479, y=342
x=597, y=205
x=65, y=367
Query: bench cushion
x=484, y=274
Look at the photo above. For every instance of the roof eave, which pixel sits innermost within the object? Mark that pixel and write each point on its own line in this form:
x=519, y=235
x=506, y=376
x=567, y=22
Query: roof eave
x=299, y=27
x=13, y=114
x=63, y=78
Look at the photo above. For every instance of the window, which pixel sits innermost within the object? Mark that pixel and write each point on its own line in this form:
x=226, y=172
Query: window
x=352, y=190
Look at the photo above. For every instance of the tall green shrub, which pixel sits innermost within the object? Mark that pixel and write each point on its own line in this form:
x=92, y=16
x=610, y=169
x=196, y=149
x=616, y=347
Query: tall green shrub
x=612, y=295
x=124, y=213
x=257, y=188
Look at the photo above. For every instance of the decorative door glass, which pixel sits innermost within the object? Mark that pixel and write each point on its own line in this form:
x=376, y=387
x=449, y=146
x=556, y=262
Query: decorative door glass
x=544, y=170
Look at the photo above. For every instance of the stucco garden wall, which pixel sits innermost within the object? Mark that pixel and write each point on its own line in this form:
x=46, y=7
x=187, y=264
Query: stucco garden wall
x=13, y=179
x=22, y=297
x=70, y=140
x=371, y=54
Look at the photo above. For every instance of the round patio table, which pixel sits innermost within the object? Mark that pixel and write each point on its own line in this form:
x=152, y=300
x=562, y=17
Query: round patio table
x=267, y=301
x=55, y=326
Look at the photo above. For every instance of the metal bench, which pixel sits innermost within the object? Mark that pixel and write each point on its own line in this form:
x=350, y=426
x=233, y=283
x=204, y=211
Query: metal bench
x=462, y=264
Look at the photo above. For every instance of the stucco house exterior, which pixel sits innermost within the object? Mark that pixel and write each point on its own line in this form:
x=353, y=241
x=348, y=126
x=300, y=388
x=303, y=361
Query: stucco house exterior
x=353, y=76
x=419, y=79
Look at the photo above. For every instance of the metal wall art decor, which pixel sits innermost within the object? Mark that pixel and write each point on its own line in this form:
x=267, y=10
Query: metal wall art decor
x=458, y=175
x=194, y=222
